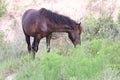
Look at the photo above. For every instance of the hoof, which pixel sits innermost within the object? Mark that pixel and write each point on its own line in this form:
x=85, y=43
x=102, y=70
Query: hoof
x=48, y=50
x=33, y=54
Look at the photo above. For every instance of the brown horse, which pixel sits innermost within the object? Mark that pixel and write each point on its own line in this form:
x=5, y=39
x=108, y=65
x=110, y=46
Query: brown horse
x=41, y=23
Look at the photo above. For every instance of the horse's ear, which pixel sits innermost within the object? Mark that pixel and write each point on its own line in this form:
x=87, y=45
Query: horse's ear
x=80, y=23
x=80, y=28
x=80, y=20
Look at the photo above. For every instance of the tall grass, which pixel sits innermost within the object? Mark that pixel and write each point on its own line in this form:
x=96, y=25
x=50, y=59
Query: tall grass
x=92, y=61
x=78, y=65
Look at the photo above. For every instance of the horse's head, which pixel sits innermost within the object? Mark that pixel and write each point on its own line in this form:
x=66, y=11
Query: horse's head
x=74, y=34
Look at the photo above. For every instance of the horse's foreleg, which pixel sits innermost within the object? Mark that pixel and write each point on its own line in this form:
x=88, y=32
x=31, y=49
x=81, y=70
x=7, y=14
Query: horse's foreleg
x=48, y=38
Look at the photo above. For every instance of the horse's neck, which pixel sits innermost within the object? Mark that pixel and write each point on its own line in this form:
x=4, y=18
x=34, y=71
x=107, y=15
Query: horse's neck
x=62, y=28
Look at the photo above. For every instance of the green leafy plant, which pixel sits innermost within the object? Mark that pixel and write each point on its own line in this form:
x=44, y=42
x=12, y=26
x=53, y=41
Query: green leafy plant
x=102, y=27
x=2, y=7
x=86, y=62
x=1, y=39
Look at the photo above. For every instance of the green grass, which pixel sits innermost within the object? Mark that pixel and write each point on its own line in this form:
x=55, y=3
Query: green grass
x=87, y=62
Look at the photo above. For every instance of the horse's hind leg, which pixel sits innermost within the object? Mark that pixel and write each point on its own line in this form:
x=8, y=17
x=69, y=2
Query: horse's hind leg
x=48, y=38
x=28, y=42
x=35, y=44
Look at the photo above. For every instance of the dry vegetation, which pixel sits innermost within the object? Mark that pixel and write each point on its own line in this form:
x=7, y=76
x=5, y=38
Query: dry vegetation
x=75, y=9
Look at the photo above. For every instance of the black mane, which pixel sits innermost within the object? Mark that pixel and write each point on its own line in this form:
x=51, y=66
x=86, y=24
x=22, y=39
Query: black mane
x=57, y=18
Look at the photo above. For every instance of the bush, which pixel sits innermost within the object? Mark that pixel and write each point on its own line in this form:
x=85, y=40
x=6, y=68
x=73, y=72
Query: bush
x=106, y=28
x=86, y=62
x=101, y=28
x=1, y=39
x=113, y=54
x=76, y=66
x=119, y=18
x=109, y=49
x=2, y=7
x=95, y=46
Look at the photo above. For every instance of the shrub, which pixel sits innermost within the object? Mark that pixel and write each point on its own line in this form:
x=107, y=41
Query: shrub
x=112, y=53
x=86, y=62
x=119, y=18
x=2, y=7
x=106, y=28
x=76, y=66
x=1, y=39
x=95, y=46
x=101, y=28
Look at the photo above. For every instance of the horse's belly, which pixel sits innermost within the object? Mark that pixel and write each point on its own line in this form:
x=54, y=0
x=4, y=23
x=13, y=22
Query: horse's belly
x=30, y=30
